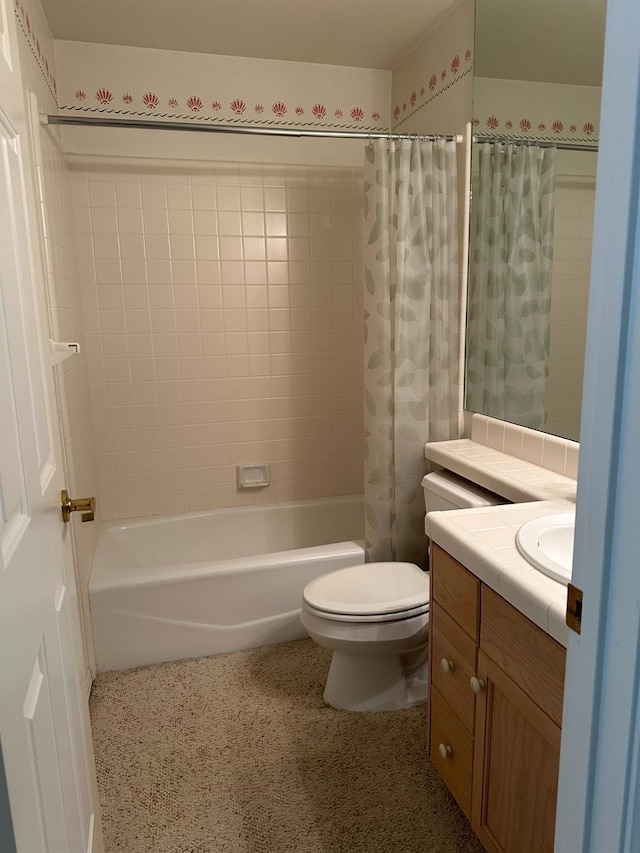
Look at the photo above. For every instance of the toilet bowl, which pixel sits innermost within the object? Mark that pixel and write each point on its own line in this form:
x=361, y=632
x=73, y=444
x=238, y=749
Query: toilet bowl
x=374, y=618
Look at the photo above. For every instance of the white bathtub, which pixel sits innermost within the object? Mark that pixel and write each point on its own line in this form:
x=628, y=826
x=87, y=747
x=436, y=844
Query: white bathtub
x=195, y=584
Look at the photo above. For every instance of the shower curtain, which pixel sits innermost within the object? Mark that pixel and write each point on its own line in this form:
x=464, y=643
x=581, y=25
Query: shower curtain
x=510, y=286
x=412, y=324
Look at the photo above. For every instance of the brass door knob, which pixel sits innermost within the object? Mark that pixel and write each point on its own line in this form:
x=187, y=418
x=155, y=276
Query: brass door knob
x=87, y=506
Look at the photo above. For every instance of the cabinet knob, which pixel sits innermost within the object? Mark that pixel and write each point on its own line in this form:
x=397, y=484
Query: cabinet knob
x=447, y=665
x=444, y=750
x=477, y=684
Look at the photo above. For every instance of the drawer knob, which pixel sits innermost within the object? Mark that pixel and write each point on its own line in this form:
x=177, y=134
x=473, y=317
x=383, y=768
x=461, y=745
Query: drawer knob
x=447, y=665
x=444, y=750
x=477, y=684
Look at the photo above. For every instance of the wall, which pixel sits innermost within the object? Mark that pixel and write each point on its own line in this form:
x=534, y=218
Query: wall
x=99, y=79
x=209, y=342
x=432, y=88
x=220, y=274
x=224, y=91
x=52, y=187
x=575, y=199
x=524, y=109
x=223, y=315
x=432, y=93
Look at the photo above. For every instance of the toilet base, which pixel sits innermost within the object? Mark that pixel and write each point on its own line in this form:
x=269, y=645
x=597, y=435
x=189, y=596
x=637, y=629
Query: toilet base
x=387, y=682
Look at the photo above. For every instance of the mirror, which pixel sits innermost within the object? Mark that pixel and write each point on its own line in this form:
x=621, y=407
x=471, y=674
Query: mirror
x=538, y=69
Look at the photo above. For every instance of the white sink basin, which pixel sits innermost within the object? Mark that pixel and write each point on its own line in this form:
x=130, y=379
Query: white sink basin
x=547, y=544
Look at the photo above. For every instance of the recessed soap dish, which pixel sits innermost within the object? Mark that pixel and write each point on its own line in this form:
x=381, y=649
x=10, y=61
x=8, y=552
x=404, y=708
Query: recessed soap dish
x=253, y=476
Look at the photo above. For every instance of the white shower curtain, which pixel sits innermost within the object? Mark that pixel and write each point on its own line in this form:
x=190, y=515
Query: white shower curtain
x=412, y=318
x=508, y=323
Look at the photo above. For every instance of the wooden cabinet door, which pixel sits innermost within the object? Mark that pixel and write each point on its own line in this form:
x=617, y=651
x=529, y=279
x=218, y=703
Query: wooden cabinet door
x=515, y=767
x=451, y=750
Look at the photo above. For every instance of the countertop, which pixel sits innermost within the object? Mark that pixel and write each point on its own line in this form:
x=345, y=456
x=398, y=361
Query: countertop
x=483, y=540
x=513, y=478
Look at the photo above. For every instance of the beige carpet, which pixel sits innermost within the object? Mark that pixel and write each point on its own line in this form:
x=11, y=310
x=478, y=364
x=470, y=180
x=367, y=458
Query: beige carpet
x=239, y=754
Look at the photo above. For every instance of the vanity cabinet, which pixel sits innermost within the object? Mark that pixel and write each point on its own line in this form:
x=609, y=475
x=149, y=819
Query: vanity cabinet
x=495, y=710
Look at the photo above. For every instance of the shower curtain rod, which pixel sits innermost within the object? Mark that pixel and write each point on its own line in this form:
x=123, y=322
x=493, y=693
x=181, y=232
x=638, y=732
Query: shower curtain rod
x=543, y=143
x=102, y=121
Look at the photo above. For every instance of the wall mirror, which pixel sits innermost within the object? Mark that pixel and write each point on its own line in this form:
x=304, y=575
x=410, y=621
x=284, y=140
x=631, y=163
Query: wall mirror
x=537, y=88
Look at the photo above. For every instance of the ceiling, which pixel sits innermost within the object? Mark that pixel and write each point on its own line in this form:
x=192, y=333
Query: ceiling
x=548, y=41
x=358, y=33
x=542, y=40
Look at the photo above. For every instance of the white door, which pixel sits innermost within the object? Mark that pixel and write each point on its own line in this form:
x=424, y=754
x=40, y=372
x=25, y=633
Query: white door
x=44, y=727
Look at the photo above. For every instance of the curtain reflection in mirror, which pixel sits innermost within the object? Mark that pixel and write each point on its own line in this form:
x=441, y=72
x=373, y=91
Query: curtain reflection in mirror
x=508, y=325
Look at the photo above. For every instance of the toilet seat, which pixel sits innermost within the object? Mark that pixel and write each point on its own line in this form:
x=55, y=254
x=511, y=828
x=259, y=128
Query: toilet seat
x=372, y=592
x=370, y=617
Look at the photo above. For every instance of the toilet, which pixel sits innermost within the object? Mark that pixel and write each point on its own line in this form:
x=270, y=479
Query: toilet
x=374, y=618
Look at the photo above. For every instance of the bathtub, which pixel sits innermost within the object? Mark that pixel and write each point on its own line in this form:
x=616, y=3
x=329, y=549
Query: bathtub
x=180, y=586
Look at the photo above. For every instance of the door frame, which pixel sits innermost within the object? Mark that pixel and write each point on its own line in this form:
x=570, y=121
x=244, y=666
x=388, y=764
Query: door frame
x=598, y=804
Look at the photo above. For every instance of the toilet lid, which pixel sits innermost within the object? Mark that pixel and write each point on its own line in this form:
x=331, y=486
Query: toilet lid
x=372, y=588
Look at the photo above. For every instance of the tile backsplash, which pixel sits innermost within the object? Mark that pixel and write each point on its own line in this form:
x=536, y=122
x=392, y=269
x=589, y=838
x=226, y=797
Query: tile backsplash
x=223, y=319
x=549, y=451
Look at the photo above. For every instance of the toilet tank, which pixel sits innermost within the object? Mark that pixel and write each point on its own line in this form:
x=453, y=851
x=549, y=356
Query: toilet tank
x=444, y=490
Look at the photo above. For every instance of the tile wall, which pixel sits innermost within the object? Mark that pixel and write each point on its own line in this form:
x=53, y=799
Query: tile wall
x=223, y=321
x=66, y=315
x=571, y=270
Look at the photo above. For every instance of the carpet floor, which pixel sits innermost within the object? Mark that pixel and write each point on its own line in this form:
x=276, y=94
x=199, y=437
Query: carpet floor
x=239, y=754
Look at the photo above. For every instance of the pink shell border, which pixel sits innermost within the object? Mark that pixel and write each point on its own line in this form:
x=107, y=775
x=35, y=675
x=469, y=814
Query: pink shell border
x=154, y=105
x=525, y=127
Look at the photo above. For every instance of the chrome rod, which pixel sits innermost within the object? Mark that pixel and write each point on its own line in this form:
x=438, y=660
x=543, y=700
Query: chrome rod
x=104, y=121
x=543, y=142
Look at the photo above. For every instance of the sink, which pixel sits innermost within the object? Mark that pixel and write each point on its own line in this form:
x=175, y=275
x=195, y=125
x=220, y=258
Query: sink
x=547, y=544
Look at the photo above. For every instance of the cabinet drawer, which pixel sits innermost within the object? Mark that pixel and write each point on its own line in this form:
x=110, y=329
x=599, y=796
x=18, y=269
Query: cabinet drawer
x=533, y=659
x=447, y=730
x=451, y=644
x=456, y=589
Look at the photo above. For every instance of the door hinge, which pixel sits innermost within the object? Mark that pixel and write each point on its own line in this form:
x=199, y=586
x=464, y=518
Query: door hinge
x=574, y=607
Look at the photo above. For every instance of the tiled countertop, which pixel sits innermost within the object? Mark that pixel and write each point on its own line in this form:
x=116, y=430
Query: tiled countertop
x=513, y=478
x=483, y=540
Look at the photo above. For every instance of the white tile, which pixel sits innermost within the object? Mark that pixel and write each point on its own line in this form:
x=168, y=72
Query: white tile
x=532, y=444
x=102, y=194
x=573, y=452
x=501, y=537
x=128, y=194
x=479, y=428
x=179, y=196
x=104, y=220
x=554, y=451
x=204, y=197
x=510, y=466
x=154, y=196
x=228, y=197
x=556, y=620
x=509, y=556
x=495, y=434
x=513, y=437
x=479, y=522
x=523, y=589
